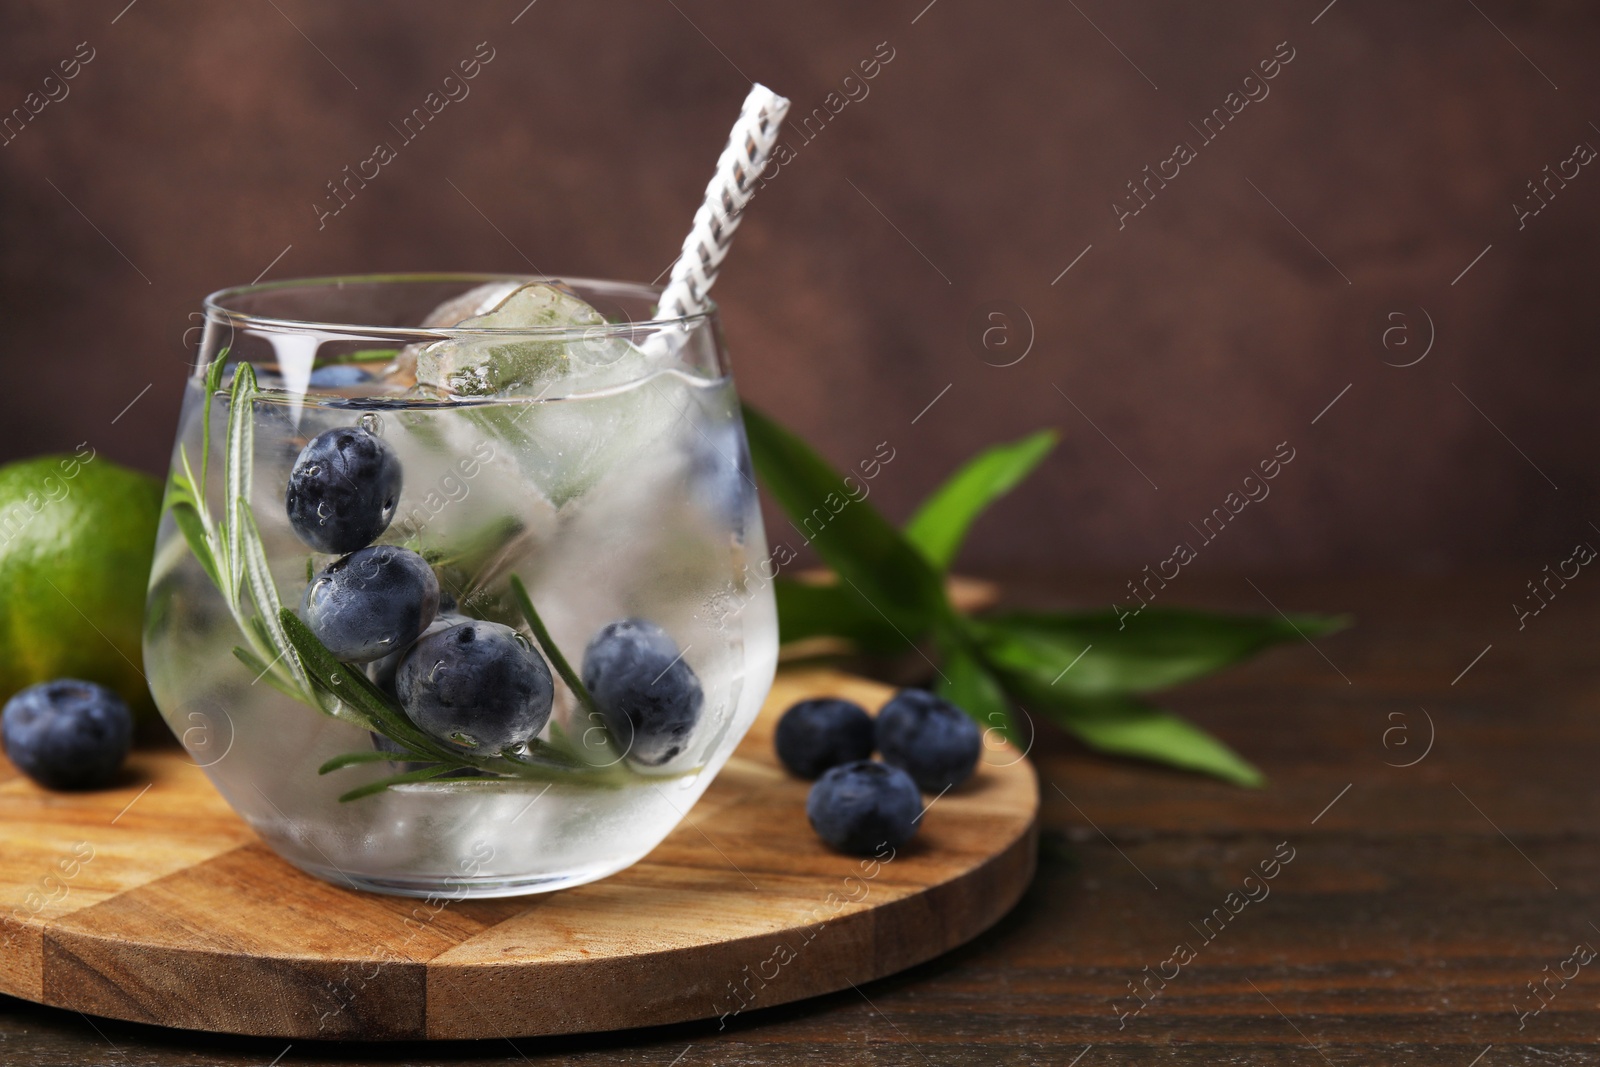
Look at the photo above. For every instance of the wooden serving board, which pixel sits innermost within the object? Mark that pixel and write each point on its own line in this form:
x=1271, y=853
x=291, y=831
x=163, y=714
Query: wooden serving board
x=153, y=902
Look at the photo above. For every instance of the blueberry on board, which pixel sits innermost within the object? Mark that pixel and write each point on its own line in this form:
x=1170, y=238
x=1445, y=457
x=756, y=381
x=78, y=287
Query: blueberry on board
x=814, y=735
x=371, y=603
x=860, y=807
x=930, y=738
x=479, y=685
x=343, y=490
x=67, y=734
x=338, y=376
x=648, y=697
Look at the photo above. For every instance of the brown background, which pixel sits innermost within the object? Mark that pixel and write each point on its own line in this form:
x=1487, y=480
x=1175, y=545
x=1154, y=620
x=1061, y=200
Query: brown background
x=983, y=161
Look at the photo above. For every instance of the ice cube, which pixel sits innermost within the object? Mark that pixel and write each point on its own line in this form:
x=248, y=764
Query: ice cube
x=473, y=302
x=587, y=402
x=570, y=445
x=402, y=371
x=527, y=366
x=536, y=305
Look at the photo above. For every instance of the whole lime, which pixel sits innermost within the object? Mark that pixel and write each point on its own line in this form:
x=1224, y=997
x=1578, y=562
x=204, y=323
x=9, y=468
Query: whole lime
x=77, y=533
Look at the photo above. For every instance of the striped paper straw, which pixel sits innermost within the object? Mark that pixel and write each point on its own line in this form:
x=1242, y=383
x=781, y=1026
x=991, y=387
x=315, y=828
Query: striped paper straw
x=750, y=145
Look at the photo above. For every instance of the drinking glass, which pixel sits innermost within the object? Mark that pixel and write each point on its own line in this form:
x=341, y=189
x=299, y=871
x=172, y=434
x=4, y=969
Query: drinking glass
x=618, y=491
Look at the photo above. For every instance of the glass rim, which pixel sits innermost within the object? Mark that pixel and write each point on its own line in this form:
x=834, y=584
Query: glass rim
x=216, y=309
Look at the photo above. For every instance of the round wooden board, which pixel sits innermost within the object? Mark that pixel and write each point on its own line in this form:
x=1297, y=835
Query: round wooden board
x=153, y=902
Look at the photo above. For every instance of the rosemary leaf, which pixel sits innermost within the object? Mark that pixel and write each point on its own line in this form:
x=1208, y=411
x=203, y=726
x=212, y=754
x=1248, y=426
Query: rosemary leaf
x=546, y=642
x=213, y=384
x=351, y=759
x=564, y=745
x=265, y=593
x=194, y=532
x=237, y=472
x=181, y=491
x=351, y=687
x=336, y=679
x=394, y=779
x=360, y=355
x=264, y=673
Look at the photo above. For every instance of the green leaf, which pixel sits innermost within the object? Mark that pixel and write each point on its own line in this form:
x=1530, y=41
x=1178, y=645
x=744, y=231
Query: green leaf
x=194, y=533
x=260, y=671
x=182, y=486
x=360, y=355
x=213, y=383
x=471, y=551
x=180, y=489
x=264, y=592
x=940, y=524
x=1124, y=726
x=807, y=610
x=393, y=780
x=1044, y=653
x=352, y=759
x=351, y=687
x=867, y=553
x=237, y=473
x=966, y=683
x=519, y=592
x=548, y=643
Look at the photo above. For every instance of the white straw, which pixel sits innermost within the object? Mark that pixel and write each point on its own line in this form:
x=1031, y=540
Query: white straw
x=750, y=145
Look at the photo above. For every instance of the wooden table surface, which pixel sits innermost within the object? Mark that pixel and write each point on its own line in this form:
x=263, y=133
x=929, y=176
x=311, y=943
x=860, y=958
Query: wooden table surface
x=1409, y=909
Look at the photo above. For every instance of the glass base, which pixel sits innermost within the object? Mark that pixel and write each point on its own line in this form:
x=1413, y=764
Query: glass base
x=456, y=887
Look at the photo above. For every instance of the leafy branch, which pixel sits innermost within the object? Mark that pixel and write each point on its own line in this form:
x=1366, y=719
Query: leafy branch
x=227, y=543
x=543, y=760
x=1086, y=671
x=284, y=652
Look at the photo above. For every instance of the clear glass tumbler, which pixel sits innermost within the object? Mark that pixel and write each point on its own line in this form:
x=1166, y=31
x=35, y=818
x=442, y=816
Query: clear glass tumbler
x=617, y=491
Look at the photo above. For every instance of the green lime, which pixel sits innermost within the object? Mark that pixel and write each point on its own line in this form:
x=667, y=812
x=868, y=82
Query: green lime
x=77, y=534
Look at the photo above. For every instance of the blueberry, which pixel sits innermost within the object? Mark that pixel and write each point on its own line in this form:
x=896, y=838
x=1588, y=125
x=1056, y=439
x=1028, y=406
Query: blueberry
x=479, y=685
x=719, y=474
x=860, y=807
x=930, y=738
x=338, y=376
x=67, y=734
x=343, y=490
x=371, y=603
x=382, y=671
x=648, y=696
x=817, y=734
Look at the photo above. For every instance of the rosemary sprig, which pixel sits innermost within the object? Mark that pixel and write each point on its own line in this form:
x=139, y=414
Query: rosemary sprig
x=360, y=355
x=552, y=653
x=349, y=685
x=580, y=692
x=281, y=650
x=227, y=544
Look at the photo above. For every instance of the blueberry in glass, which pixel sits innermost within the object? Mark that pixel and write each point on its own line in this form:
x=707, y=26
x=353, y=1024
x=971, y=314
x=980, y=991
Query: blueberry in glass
x=371, y=603
x=478, y=685
x=648, y=697
x=343, y=490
